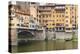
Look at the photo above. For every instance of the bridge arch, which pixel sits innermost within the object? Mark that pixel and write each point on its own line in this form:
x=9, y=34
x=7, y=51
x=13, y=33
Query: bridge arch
x=25, y=34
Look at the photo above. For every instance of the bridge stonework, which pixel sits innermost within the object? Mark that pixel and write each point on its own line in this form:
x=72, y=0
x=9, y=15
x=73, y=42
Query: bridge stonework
x=40, y=35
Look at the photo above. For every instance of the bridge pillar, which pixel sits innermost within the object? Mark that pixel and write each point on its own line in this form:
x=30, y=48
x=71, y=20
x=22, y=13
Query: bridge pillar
x=13, y=34
x=44, y=33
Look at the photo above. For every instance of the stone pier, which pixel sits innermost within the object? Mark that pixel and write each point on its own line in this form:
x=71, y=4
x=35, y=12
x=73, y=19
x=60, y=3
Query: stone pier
x=13, y=36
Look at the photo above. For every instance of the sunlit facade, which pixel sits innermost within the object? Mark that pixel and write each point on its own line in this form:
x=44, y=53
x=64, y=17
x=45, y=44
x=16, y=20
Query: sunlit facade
x=59, y=17
x=32, y=15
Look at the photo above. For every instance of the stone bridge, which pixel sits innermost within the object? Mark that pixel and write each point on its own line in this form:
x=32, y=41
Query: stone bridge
x=21, y=34
x=37, y=34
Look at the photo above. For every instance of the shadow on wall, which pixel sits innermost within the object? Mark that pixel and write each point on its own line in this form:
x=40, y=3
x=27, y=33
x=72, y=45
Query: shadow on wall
x=25, y=34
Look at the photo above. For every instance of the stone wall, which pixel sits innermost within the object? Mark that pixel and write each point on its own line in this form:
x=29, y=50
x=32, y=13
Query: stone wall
x=53, y=35
x=39, y=35
x=13, y=36
x=63, y=35
x=42, y=35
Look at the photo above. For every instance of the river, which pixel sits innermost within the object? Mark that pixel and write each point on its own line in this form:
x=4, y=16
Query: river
x=46, y=45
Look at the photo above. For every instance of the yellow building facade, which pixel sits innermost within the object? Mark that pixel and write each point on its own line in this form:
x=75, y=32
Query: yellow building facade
x=59, y=17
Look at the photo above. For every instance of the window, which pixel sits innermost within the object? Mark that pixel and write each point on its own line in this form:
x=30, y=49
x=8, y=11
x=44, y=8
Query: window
x=22, y=25
x=46, y=24
x=43, y=7
x=53, y=24
x=53, y=16
x=13, y=13
x=34, y=6
x=59, y=15
x=33, y=26
x=72, y=20
x=18, y=24
x=11, y=18
x=43, y=16
x=58, y=24
x=67, y=25
x=26, y=25
x=72, y=16
x=66, y=16
x=66, y=12
x=11, y=24
x=73, y=25
x=72, y=7
x=31, y=21
x=30, y=26
x=39, y=20
x=66, y=8
x=50, y=24
x=39, y=16
x=62, y=15
x=60, y=28
x=34, y=18
x=66, y=20
x=21, y=19
x=67, y=28
x=45, y=20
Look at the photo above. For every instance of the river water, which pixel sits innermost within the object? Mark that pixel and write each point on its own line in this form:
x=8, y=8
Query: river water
x=46, y=46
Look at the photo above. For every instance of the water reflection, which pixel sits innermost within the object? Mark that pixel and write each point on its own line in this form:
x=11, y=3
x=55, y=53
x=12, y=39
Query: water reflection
x=47, y=45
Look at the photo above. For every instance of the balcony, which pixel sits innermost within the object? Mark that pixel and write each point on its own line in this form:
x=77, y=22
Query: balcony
x=22, y=25
x=59, y=25
x=59, y=7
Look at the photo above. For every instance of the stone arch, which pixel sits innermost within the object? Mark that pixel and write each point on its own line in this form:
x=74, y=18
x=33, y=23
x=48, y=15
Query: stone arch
x=25, y=34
